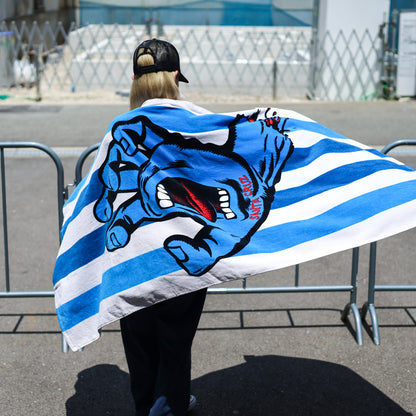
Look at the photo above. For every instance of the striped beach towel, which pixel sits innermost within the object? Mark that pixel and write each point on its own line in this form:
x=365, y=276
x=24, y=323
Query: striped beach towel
x=179, y=199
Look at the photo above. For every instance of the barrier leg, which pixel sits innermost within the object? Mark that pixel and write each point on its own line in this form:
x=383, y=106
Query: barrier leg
x=352, y=305
x=64, y=344
x=369, y=305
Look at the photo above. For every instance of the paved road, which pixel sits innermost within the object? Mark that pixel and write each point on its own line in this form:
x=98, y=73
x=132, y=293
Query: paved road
x=268, y=355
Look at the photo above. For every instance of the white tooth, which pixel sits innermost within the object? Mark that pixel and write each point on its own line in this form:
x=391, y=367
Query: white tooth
x=226, y=210
x=225, y=204
x=165, y=203
x=161, y=188
x=224, y=198
x=230, y=215
x=222, y=192
x=161, y=195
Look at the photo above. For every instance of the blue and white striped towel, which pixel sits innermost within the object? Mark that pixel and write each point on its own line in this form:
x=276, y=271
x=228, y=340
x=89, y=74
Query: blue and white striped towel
x=179, y=199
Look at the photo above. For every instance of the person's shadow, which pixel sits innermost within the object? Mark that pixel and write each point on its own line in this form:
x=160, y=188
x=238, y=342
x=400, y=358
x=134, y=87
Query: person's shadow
x=262, y=386
x=102, y=390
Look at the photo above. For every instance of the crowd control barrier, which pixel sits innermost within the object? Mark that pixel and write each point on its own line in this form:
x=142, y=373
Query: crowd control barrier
x=62, y=195
x=60, y=198
x=8, y=293
x=372, y=286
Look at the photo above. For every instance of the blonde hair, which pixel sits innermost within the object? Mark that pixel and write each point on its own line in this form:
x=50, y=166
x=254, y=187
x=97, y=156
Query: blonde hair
x=160, y=84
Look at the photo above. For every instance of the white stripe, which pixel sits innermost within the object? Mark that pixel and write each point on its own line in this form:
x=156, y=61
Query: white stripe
x=321, y=165
x=83, y=225
x=81, y=280
x=305, y=138
x=83, y=334
x=318, y=204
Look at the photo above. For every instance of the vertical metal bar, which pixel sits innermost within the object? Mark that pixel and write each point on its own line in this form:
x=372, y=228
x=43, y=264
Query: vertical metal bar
x=37, y=67
x=60, y=189
x=4, y=208
x=274, y=80
x=313, y=51
x=371, y=289
x=297, y=275
x=354, y=273
x=352, y=306
x=372, y=272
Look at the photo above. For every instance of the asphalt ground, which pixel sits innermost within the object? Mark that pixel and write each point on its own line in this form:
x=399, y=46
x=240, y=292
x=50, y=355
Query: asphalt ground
x=254, y=354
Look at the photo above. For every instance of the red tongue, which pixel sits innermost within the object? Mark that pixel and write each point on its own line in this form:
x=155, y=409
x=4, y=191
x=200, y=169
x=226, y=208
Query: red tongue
x=199, y=204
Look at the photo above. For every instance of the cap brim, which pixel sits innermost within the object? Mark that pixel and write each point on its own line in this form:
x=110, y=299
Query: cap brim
x=182, y=78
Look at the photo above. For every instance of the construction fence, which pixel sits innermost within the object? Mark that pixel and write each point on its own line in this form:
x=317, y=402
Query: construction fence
x=277, y=62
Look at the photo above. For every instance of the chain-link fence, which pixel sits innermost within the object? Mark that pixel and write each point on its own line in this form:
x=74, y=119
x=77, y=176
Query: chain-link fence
x=276, y=62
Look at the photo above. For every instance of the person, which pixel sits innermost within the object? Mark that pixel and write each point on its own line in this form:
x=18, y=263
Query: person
x=158, y=339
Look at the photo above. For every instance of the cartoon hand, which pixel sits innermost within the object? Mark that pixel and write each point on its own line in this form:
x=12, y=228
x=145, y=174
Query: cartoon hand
x=199, y=254
x=138, y=134
x=129, y=136
x=125, y=221
x=120, y=174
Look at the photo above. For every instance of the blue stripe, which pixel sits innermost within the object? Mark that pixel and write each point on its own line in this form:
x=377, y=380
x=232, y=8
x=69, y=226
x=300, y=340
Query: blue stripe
x=81, y=253
x=335, y=178
x=79, y=309
x=303, y=156
x=344, y=215
x=119, y=278
x=311, y=127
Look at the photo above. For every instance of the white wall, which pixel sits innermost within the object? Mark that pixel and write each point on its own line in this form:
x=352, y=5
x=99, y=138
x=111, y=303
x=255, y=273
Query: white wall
x=348, y=64
x=348, y=15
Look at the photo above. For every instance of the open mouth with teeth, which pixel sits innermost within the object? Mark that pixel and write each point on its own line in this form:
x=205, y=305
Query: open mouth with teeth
x=207, y=201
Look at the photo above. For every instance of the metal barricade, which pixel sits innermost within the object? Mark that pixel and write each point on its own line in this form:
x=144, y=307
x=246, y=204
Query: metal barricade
x=372, y=286
x=8, y=293
x=296, y=288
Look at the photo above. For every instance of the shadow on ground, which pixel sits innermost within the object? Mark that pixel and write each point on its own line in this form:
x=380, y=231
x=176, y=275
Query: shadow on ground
x=262, y=386
x=102, y=390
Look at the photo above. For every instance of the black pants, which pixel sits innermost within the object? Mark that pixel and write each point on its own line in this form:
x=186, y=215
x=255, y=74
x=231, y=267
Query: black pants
x=157, y=342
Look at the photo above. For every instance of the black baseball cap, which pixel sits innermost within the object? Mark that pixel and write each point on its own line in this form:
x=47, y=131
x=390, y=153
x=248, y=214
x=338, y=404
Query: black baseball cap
x=164, y=54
